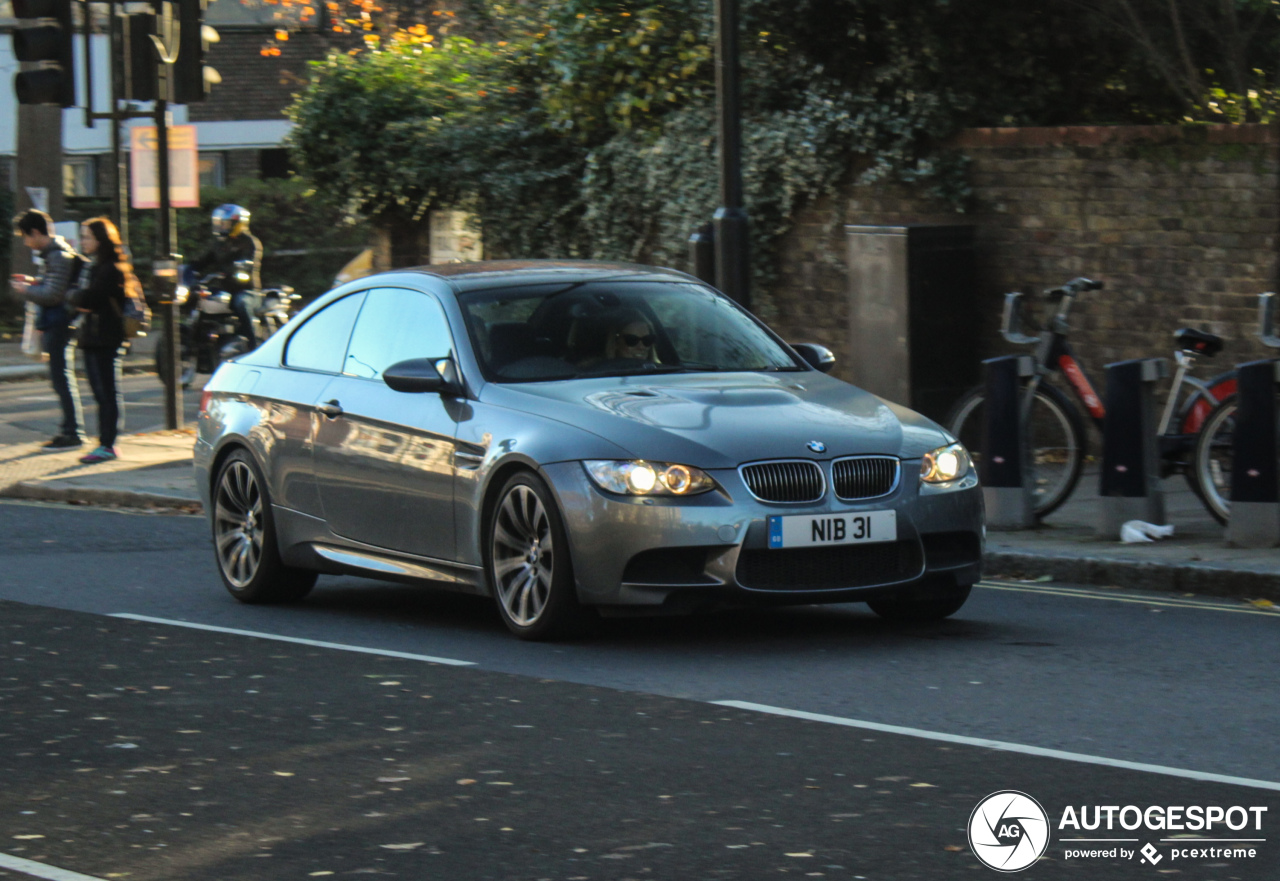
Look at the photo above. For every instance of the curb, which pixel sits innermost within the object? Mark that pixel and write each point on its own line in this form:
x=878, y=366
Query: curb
x=38, y=490
x=1141, y=575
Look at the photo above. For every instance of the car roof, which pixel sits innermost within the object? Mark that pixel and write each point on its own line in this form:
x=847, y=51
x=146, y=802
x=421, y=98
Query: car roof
x=491, y=274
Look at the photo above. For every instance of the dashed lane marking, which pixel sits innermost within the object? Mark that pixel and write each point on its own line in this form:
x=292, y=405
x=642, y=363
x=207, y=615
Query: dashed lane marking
x=1003, y=746
x=299, y=640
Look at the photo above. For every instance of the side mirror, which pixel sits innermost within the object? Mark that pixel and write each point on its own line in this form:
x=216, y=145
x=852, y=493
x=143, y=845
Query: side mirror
x=818, y=357
x=421, y=375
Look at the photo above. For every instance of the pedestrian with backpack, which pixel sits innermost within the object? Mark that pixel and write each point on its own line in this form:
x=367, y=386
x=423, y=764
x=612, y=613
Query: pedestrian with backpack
x=102, y=298
x=49, y=292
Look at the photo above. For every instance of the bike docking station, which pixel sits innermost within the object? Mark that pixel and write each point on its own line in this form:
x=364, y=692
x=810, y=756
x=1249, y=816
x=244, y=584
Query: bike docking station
x=1129, y=485
x=1254, y=519
x=1005, y=468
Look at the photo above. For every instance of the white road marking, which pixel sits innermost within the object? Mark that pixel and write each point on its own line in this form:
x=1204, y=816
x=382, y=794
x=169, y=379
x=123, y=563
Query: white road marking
x=1115, y=597
x=299, y=640
x=40, y=870
x=1004, y=746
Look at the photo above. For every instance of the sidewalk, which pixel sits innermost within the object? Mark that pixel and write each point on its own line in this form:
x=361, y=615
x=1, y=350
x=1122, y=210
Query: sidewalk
x=155, y=471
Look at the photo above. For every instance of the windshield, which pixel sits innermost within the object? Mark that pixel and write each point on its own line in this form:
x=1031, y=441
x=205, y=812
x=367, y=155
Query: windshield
x=614, y=328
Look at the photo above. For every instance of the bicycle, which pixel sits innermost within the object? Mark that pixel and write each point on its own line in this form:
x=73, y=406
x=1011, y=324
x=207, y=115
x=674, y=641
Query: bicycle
x=1212, y=458
x=1056, y=434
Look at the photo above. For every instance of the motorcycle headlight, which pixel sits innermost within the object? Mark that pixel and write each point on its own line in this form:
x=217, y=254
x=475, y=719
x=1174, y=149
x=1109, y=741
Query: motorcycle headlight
x=636, y=477
x=945, y=464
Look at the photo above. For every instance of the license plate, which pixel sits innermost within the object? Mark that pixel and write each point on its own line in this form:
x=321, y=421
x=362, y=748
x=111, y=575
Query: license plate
x=809, y=530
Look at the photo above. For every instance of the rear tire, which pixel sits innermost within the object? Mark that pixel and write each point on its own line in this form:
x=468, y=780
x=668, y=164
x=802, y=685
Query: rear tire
x=931, y=600
x=244, y=537
x=1057, y=442
x=1210, y=473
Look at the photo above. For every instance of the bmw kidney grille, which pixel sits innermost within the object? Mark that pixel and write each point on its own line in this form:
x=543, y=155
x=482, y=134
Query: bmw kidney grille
x=794, y=481
x=864, y=477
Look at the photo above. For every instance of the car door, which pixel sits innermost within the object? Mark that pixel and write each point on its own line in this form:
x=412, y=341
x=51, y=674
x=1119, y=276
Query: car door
x=312, y=357
x=383, y=459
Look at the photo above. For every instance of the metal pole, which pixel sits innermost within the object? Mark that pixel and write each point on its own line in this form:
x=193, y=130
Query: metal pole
x=120, y=198
x=87, y=35
x=165, y=267
x=732, y=250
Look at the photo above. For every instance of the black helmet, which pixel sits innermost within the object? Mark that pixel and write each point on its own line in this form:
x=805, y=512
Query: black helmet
x=230, y=220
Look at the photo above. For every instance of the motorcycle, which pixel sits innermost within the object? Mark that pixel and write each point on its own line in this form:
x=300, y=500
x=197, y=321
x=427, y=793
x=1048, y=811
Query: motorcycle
x=208, y=332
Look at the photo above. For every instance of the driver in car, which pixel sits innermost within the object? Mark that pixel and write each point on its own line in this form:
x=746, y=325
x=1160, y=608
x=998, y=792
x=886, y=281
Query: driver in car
x=630, y=337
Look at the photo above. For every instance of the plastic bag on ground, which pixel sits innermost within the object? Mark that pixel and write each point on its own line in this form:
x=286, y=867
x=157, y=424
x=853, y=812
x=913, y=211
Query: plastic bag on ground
x=1139, y=530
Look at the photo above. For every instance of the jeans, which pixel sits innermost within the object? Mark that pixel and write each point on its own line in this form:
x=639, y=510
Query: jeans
x=103, y=367
x=61, y=346
x=241, y=304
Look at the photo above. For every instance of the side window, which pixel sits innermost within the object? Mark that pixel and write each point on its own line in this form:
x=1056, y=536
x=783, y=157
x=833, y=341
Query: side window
x=322, y=341
x=394, y=325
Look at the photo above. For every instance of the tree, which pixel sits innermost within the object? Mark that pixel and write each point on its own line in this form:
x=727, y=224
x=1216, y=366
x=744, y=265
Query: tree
x=1211, y=54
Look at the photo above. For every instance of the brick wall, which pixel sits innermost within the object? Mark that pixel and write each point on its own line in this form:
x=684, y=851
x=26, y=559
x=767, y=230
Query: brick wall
x=254, y=86
x=1181, y=224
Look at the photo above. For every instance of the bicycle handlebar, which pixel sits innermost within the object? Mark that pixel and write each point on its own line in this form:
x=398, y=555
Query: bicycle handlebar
x=1075, y=286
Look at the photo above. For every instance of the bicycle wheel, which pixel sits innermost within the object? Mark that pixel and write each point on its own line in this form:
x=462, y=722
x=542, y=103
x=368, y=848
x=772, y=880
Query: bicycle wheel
x=1210, y=474
x=1056, y=439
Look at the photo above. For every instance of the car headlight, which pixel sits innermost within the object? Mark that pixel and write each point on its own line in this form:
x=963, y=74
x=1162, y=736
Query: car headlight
x=637, y=477
x=945, y=464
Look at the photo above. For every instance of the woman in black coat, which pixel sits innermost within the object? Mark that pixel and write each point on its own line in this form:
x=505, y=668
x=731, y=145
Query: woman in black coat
x=101, y=301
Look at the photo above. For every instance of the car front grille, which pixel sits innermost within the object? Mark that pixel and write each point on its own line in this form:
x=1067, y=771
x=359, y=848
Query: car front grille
x=829, y=568
x=864, y=477
x=794, y=481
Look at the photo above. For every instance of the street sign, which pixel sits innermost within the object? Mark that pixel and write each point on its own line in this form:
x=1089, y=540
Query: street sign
x=184, y=171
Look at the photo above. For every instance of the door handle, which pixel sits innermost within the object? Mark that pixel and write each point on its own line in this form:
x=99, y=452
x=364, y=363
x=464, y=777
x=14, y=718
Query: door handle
x=329, y=409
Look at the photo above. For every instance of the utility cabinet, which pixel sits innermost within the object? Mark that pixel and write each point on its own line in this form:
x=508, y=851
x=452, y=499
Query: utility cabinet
x=913, y=314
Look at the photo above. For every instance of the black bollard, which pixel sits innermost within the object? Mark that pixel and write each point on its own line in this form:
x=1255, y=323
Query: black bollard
x=1254, y=518
x=1004, y=468
x=1130, y=480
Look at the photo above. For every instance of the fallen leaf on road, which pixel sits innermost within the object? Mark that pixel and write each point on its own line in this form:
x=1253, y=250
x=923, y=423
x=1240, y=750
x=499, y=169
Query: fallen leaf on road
x=1262, y=604
x=410, y=846
x=27, y=837
x=954, y=848
x=465, y=781
x=283, y=773
x=923, y=785
x=393, y=779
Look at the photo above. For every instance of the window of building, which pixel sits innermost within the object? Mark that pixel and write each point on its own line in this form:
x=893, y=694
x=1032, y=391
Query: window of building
x=274, y=163
x=213, y=170
x=79, y=176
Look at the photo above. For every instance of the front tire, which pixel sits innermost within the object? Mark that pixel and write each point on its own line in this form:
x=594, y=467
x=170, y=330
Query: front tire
x=527, y=562
x=931, y=600
x=244, y=537
x=1210, y=474
x=1056, y=440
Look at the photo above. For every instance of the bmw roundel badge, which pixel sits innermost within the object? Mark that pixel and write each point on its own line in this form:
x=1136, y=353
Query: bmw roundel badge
x=817, y=446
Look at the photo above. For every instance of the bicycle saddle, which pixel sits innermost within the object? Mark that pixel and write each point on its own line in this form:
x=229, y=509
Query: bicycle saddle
x=1198, y=342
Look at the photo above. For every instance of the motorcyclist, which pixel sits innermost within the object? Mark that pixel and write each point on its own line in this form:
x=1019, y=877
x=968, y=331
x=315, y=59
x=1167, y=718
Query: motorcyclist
x=233, y=243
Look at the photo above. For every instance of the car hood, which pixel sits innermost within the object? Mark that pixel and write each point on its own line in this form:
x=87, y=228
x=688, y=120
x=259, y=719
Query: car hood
x=723, y=420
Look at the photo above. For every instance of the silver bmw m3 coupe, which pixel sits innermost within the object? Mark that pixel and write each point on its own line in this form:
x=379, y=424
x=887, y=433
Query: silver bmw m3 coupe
x=575, y=439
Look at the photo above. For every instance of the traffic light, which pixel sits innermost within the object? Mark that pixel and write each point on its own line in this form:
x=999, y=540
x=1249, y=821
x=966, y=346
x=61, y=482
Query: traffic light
x=192, y=79
x=140, y=62
x=46, y=39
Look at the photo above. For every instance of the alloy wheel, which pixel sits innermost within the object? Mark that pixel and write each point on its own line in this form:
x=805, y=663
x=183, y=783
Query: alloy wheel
x=523, y=555
x=238, y=524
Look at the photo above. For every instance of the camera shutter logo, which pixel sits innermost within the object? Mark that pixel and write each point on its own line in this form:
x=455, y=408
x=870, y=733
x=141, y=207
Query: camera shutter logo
x=1008, y=831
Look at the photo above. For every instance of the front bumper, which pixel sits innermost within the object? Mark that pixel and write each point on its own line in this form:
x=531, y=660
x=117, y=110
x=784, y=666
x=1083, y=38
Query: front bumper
x=712, y=549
